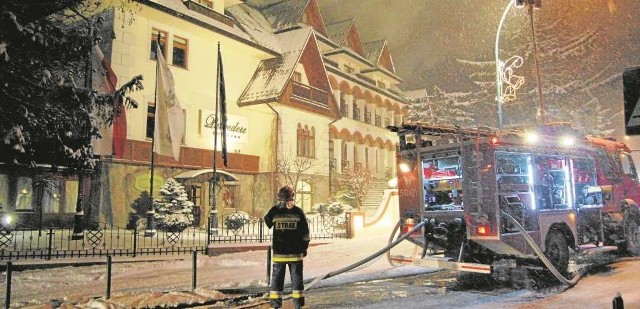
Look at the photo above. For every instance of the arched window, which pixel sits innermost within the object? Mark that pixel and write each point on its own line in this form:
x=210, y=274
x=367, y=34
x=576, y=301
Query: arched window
x=303, y=195
x=306, y=142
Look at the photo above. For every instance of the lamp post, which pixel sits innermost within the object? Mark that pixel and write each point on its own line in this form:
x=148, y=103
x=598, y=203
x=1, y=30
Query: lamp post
x=499, y=65
x=504, y=70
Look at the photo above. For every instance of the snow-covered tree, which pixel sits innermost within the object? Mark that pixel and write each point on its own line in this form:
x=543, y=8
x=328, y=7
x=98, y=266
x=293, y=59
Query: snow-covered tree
x=48, y=105
x=355, y=183
x=173, y=211
x=442, y=108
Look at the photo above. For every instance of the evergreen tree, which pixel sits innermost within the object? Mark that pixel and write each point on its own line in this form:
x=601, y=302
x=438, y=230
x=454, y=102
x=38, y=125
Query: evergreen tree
x=442, y=108
x=174, y=211
x=49, y=111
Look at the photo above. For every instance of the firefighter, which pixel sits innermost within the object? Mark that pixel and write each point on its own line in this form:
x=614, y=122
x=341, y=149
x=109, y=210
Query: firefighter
x=290, y=243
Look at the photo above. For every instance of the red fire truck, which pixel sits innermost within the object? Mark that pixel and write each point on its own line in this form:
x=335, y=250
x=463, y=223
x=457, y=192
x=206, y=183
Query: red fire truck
x=489, y=196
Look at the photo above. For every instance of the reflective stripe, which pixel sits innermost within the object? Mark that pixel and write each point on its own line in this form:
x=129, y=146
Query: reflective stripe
x=275, y=294
x=287, y=257
x=297, y=294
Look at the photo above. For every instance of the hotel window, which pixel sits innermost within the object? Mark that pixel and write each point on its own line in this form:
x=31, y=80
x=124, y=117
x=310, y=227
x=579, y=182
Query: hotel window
x=297, y=77
x=154, y=43
x=4, y=191
x=180, y=52
x=306, y=142
x=52, y=197
x=151, y=118
x=70, y=195
x=25, y=194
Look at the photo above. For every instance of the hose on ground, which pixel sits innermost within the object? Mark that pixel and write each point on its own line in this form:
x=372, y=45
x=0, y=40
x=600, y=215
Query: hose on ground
x=540, y=254
x=367, y=259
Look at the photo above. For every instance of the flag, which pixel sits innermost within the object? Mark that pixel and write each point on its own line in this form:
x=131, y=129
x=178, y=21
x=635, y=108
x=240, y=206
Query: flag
x=222, y=100
x=114, y=137
x=169, y=117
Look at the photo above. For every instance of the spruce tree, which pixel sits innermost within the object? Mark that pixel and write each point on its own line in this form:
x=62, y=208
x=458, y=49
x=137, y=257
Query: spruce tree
x=173, y=211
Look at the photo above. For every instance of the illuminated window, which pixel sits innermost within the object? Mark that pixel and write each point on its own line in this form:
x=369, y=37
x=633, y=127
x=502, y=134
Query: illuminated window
x=4, y=191
x=180, y=51
x=154, y=43
x=303, y=195
x=71, y=196
x=25, y=194
x=306, y=142
x=52, y=198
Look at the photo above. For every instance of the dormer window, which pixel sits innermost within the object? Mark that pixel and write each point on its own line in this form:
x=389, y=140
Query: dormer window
x=206, y=3
x=349, y=69
x=297, y=77
x=381, y=84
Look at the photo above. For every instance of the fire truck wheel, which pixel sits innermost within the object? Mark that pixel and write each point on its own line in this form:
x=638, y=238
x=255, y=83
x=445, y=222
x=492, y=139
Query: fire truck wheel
x=632, y=231
x=557, y=251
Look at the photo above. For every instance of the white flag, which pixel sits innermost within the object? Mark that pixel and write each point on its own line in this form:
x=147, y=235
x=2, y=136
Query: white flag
x=169, y=126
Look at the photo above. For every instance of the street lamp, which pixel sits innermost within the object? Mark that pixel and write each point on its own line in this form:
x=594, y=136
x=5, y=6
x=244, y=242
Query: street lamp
x=504, y=70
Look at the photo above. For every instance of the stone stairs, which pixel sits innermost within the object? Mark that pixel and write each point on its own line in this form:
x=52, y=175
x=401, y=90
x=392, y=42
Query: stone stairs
x=371, y=202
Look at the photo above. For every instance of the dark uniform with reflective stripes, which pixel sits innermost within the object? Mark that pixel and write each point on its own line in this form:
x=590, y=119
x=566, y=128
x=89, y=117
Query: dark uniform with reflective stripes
x=290, y=243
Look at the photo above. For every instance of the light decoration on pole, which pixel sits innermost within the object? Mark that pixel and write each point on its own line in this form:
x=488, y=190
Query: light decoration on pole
x=505, y=70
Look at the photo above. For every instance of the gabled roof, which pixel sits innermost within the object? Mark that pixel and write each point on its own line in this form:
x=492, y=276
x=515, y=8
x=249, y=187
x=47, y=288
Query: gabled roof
x=254, y=24
x=287, y=14
x=272, y=75
x=344, y=33
x=373, y=50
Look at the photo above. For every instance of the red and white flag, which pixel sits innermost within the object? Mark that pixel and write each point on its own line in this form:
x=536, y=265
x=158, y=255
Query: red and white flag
x=170, y=119
x=113, y=137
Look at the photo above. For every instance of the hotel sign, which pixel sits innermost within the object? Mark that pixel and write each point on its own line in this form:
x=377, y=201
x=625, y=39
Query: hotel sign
x=237, y=126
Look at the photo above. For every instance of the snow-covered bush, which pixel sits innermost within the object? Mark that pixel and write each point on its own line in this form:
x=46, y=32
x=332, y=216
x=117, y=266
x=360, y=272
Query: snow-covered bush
x=173, y=211
x=332, y=208
x=236, y=220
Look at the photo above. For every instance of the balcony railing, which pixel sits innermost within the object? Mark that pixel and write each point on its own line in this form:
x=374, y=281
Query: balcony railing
x=356, y=113
x=309, y=94
x=343, y=108
x=378, y=121
x=196, y=7
x=367, y=117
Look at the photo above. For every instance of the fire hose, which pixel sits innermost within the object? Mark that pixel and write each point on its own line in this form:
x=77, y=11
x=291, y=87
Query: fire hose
x=540, y=254
x=370, y=257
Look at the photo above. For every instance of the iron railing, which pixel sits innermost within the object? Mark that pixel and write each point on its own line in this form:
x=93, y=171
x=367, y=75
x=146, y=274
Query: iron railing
x=103, y=240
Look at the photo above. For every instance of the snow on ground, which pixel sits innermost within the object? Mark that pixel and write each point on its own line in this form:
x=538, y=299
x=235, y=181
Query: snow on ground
x=138, y=283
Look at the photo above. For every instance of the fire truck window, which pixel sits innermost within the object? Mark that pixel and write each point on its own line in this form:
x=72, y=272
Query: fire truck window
x=627, y=166
x=552, y=183
x=583, y=178
x=442, y=183
x=513, y=176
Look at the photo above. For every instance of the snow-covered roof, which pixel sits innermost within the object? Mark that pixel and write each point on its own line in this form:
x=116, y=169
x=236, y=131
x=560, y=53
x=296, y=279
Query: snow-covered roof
x=338, y=31
x=177, y=6
x=415, y=94
x=254, y=24
x=272, y=75
x=373, y=50
x=282, y=15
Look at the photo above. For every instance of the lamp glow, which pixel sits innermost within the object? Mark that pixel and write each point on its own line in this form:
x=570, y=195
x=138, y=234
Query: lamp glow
x=531, y=137
x=404, y=167
x=567, y=141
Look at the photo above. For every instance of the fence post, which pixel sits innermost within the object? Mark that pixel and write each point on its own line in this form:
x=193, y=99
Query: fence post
x=261, y=230
x=7, y=297
x=135, y=240
x=50, y=247
x=269, y=265
x=108, y=294
x=195, y=270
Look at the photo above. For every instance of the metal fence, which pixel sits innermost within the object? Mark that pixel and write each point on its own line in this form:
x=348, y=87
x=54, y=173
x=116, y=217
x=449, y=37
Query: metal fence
x=56, y=243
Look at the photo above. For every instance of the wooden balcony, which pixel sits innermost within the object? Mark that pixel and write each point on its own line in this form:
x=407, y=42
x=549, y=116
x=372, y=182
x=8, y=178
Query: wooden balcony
x=308, y=94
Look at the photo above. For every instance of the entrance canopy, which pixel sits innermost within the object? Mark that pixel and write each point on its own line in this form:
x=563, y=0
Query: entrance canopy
x=205, y=175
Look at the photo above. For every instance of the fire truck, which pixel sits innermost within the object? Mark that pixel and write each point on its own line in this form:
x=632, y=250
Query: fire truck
x=514, y=197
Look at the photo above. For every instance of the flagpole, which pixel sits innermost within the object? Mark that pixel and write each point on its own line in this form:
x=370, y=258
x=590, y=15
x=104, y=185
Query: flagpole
x=213, y=214
x=151, y=228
